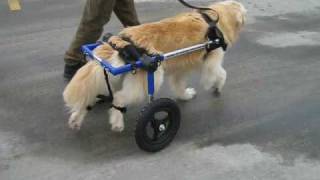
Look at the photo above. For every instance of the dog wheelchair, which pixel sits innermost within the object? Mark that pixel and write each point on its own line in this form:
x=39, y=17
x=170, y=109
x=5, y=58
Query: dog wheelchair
x=159, y=120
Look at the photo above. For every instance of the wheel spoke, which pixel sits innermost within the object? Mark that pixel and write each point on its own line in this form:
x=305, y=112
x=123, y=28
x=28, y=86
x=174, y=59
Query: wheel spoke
x=165, y=121
x=155, y=135
x=155, y=127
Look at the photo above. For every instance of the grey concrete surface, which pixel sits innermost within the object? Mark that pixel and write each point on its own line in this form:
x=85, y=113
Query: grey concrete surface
x=264, y=126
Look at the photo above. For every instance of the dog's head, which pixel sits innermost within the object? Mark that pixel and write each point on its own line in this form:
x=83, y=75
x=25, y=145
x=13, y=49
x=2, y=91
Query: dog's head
x=232, y=17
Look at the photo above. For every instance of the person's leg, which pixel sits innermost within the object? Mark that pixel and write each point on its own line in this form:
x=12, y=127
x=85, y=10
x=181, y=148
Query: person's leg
x=126, y=12
x=96, y=13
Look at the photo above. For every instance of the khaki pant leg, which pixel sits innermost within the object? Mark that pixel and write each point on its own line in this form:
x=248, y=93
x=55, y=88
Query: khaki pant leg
x=95, y=15
x=126, y=12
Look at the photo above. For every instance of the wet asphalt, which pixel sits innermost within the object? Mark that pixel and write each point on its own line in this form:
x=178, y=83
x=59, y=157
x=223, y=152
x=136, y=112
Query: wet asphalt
x=265, y=125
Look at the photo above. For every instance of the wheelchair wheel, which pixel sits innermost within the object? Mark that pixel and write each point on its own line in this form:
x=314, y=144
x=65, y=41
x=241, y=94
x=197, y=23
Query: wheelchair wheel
x=157, y=125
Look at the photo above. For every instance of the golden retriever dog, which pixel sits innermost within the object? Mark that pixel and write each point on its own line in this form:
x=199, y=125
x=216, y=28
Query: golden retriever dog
x=167, y=35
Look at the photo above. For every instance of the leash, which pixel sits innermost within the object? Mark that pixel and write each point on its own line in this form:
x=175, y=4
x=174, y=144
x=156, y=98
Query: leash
x=199, y=8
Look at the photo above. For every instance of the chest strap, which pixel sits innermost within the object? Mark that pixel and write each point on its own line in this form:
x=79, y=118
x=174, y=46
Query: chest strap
x=214, y=34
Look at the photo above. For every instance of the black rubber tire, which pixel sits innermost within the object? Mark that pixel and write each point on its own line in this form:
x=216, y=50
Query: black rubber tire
x=147, y=115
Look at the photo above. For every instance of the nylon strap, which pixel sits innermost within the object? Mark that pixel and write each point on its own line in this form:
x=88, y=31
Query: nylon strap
x=214, y=33
x=121, y=109
x=109, y=98
x=108, y=84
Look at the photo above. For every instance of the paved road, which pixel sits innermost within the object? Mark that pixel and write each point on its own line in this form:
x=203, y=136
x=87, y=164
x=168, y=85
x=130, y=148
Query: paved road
x=264, y=126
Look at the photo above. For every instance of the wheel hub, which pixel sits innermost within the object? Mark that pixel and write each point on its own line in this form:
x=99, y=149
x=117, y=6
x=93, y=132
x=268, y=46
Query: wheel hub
x=162, y=127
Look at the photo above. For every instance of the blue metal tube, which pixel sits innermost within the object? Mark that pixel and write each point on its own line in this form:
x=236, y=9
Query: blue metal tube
x=150, y=83
x=88, y=50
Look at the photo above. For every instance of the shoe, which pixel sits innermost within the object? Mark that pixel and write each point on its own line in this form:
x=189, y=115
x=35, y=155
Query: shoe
x=70, y=70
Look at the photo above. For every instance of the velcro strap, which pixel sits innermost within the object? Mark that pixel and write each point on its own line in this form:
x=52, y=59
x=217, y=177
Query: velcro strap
x=121, y=109
x=103, y=98
x=129, y=53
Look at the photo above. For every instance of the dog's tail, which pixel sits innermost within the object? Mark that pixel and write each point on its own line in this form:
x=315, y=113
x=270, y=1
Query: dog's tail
x=82, y=90
x=88, y=82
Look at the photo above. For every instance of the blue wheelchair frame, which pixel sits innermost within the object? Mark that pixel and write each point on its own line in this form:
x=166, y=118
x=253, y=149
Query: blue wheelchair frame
x=89, y=48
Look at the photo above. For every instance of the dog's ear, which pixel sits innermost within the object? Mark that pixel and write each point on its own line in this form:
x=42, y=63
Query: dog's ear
x=237, y=9
x=241, y=18
x=240, y=12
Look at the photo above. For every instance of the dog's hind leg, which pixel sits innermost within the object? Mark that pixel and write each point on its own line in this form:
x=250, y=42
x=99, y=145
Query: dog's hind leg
x=81, y=92
x=76, y=119
x=134, y=90
x=178, y=85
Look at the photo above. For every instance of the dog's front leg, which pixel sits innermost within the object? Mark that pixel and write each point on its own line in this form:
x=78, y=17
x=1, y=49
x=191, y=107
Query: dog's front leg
x=213, y=74
x=178, y=85
x=221, y=79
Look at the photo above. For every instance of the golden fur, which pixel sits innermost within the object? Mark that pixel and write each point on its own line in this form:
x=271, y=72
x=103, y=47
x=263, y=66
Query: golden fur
x=169, y=34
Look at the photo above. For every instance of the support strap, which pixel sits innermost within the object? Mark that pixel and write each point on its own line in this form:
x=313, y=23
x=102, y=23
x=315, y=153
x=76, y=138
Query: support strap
x=109, y=98
x=121, y=109
x=106, y=77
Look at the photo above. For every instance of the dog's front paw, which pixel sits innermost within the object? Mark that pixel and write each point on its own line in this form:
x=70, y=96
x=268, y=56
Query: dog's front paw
x=116, y=121
x=189, y=93
x=118, y=126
